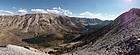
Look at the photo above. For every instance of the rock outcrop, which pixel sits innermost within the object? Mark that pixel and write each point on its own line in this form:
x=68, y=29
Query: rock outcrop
x=17, y=50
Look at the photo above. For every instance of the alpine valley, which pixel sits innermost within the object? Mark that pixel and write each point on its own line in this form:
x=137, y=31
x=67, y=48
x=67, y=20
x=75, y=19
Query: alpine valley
x=49, y=32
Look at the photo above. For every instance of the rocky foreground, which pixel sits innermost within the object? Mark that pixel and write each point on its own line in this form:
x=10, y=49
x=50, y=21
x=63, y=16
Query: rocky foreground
x=17, y=50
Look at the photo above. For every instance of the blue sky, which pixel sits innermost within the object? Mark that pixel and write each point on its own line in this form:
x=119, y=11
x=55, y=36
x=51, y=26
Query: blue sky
x=102, y=9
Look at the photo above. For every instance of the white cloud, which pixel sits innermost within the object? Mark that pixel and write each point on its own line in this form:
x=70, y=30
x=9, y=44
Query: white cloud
x=67, y=12
x=96, y=15
x=22, y=11
x=55, y=10
x=39, y=11
x=86, y=14
x=89, y=15
x=63, y=11
x=14, y=7
x=52, y=11
x=44, y=11
x=2, y=14
x=6, y=11
x=1, y=10
x=59, y=10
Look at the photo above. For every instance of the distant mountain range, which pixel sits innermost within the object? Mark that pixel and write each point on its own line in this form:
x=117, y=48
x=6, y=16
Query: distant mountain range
x=90, y=24
x=92, y=21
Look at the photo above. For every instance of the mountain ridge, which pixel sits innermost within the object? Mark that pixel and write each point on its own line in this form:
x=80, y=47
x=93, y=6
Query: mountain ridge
x=39, y=25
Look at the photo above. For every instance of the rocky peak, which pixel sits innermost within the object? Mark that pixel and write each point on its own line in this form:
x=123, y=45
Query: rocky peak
x=134, y=10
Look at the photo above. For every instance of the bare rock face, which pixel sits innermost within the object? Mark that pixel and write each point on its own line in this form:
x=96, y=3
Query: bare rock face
x=48, y=23
x=121, y=37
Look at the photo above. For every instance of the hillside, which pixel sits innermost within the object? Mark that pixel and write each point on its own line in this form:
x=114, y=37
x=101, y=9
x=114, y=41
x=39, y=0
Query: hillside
x=117, y=38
